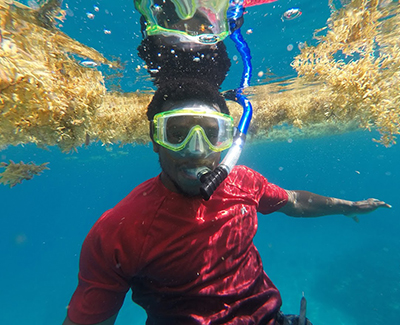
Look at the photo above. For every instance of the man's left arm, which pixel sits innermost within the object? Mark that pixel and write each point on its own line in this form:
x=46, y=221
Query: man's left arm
x=305, y=204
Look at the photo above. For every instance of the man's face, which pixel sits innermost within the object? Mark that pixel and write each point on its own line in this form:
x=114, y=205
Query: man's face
x=180, y=168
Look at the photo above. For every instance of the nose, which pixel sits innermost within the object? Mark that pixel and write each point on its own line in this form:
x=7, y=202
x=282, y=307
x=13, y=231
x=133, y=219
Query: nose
x=197, y=145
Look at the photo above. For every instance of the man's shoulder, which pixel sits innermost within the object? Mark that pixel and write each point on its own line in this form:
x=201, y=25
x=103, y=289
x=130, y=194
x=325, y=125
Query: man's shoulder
x=140, y=203
x=245, y=179
x=270, y=196
x=245, y=174
x=146, y=191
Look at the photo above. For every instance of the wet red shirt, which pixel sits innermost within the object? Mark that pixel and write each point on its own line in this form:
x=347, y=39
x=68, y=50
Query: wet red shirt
x=187, y=261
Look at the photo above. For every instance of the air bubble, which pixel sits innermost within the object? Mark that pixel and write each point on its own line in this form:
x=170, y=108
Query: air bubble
x=291, y=14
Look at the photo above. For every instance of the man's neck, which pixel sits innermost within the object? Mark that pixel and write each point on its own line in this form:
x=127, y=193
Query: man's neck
x=174, y=186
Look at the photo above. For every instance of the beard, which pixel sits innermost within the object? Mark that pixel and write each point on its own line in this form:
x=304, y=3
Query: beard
x=183, y=175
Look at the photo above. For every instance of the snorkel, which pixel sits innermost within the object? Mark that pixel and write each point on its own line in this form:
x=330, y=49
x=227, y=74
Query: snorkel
x=194, y=24
x=212, y=179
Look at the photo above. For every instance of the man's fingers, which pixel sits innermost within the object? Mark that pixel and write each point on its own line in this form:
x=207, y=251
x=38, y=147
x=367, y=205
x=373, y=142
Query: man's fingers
x=379, y=203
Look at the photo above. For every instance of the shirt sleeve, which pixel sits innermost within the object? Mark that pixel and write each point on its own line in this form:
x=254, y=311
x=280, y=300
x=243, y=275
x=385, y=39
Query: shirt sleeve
x=269, y=197
x=102, y=285
x=272, y=199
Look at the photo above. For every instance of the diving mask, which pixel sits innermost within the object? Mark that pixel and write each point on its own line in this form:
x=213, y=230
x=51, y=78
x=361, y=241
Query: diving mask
x=194, y=128
x=191, y=21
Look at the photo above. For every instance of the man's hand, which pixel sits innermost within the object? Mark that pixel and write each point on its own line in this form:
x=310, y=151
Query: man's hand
x=365, y=206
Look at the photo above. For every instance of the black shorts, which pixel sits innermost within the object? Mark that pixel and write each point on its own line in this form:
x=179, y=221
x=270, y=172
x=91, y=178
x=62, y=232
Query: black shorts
x=289, y=319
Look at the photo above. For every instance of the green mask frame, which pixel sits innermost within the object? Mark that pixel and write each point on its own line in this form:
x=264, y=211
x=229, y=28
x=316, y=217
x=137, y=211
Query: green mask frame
x=193, y=21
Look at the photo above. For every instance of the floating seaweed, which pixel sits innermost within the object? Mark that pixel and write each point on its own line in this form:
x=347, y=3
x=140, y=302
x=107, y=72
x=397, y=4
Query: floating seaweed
x=46, y=96
x=15, y=173
x=348, y=81
x=357, y=64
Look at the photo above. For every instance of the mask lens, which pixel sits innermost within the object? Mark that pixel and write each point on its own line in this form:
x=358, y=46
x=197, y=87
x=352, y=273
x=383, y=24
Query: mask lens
x=179, y=127
x=176, y=134
x=175, y=129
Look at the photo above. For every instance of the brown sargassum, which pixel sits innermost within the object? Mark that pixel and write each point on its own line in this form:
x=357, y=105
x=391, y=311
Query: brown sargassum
x=348, y=81
x=15, y=173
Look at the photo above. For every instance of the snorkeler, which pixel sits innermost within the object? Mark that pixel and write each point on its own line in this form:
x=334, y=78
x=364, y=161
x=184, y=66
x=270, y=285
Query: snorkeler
x=187, y=260
x=190, y=260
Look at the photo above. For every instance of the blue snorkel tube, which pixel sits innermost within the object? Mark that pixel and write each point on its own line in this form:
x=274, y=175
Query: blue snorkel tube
x=212, y=179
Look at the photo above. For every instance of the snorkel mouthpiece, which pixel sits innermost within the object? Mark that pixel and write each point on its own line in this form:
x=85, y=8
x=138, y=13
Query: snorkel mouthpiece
x=212, y=179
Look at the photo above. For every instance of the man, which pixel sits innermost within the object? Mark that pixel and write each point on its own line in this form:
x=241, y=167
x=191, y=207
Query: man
x=190, y=261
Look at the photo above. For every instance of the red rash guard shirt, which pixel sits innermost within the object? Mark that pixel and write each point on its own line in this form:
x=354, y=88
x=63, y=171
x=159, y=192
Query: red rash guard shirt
x=187, y=261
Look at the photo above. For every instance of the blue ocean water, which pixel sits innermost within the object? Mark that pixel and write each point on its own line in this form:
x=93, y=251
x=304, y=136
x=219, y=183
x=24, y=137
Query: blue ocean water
x=349, y=272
